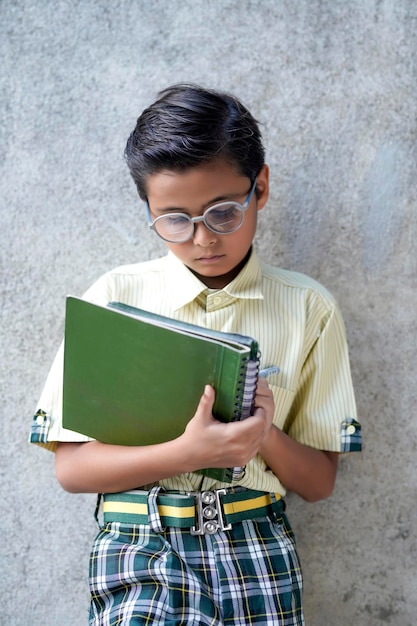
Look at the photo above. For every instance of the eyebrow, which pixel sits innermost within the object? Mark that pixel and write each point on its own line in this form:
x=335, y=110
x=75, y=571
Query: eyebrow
x=217, y=200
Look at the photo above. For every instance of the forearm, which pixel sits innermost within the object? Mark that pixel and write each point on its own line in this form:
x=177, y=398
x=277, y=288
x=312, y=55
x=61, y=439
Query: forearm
x=309, y=472
x=206, y=442
x=95, y=467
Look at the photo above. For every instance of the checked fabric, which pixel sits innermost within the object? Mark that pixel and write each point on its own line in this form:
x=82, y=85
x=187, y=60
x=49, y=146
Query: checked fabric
x=249, y=575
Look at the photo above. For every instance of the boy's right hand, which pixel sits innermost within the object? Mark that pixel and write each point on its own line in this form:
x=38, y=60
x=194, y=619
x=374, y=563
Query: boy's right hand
x=211, y=443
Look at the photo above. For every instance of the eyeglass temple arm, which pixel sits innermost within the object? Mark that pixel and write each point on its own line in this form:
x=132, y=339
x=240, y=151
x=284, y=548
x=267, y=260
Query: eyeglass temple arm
x=148, y=214
x=249, y=198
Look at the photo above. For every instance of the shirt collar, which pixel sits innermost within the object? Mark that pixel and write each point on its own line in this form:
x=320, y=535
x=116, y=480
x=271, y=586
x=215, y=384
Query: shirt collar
x=246, y=285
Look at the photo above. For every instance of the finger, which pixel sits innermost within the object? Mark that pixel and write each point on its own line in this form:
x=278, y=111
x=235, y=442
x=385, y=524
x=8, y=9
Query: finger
x=209, y=393
x=206, y=401
x=260, y=412
x=263, y=396
x=263, y=387
x=255, y=425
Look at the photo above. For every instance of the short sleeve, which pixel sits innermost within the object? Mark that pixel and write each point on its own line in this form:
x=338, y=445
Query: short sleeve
x=46, y=427
x=323, y=414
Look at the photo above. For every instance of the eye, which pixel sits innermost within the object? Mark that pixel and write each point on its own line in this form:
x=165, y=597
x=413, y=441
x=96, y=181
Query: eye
x=224, y=214
x=176, y=220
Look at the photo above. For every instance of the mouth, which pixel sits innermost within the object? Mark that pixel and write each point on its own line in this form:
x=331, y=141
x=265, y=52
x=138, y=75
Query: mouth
x=210, y=258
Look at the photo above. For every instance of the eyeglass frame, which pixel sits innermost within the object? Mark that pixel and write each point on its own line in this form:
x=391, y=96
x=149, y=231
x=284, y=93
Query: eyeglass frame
x=201, y=218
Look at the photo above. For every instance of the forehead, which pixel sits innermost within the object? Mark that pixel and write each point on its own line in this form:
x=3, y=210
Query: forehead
x=197, y=185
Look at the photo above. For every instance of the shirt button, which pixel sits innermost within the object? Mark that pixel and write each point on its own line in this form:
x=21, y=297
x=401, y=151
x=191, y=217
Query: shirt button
x=350, y=430
x=217, y=300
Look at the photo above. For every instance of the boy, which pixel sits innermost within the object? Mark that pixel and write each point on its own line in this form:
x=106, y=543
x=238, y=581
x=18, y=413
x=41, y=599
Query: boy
x=197, y=159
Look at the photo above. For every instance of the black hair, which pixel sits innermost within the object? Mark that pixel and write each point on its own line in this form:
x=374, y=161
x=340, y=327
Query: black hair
x=188, y=126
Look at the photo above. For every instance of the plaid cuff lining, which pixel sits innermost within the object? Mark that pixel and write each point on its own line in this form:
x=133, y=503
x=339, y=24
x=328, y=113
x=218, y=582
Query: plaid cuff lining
x=351, y=436
x=41, y=423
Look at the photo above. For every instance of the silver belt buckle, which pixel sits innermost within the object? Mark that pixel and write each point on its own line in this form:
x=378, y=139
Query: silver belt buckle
x=209, y=512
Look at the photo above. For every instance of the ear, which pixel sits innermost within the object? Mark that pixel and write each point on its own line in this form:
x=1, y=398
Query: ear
x=262, y=187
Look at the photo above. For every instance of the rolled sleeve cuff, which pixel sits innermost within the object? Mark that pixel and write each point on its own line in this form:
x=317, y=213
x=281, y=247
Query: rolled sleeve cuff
x=40, y=427
x=46, y=434
x=351, y=436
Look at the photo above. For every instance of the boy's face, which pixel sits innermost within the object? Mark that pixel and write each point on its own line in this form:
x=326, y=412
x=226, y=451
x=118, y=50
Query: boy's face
x=215, y=259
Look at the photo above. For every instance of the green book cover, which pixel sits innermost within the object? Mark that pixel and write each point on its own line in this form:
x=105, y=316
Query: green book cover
x=135, y=378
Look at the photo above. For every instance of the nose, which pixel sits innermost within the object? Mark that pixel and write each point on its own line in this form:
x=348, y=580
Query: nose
x=203, y=236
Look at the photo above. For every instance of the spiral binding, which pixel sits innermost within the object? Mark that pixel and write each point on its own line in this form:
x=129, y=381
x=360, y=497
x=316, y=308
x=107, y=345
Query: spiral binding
x=246, y=395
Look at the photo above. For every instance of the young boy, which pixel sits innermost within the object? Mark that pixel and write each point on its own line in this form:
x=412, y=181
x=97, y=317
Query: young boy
x=197, y=159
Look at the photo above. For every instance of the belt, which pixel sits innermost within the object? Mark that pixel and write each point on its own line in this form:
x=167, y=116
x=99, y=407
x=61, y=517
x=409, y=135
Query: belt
x=202, y=512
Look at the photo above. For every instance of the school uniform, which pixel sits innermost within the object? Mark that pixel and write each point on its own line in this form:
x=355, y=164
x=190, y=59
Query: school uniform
x=152, y=562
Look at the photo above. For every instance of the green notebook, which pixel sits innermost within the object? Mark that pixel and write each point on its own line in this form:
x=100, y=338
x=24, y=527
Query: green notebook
x=135, y=378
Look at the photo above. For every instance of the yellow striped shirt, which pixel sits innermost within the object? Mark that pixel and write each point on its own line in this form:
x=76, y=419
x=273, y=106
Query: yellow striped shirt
x=296, y=322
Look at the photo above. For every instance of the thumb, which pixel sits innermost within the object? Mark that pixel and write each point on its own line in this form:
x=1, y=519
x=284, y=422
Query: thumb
x=205, y=405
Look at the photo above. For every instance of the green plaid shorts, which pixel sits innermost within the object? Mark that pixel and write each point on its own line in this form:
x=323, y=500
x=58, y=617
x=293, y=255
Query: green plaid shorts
x=239, y=577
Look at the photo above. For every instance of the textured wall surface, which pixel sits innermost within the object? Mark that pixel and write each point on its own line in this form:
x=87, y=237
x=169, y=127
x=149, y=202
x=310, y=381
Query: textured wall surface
x=334, y=84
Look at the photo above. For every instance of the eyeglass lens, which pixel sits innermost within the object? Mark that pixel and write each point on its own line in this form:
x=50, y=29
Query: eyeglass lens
x=223, y=218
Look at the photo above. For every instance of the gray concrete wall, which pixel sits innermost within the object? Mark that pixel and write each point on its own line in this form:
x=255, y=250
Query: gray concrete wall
x=335, y=85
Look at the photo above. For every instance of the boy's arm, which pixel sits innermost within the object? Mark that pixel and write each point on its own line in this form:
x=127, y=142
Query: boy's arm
x=102, y=468
x=307, y=471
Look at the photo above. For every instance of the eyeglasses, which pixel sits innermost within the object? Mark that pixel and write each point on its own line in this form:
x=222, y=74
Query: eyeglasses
x=223, y=218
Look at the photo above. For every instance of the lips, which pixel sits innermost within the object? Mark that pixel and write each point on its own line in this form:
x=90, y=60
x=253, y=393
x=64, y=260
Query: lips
x=210, y=259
